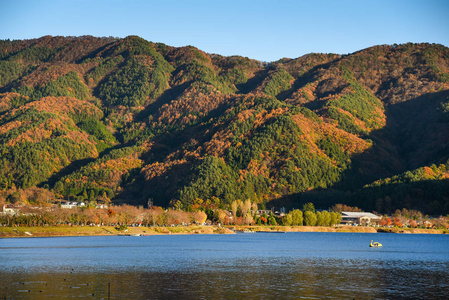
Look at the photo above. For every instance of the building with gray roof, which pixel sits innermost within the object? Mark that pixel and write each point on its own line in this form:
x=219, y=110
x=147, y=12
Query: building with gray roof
x=359, y=218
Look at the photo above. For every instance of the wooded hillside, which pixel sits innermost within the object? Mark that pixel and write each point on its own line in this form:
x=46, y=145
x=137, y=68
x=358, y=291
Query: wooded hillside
x=126, y=120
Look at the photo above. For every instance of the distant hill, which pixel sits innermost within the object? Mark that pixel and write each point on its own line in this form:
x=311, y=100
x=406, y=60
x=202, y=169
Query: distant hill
x=127, y=120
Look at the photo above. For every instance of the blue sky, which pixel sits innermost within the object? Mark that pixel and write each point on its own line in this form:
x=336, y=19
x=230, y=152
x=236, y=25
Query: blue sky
x=263, y=30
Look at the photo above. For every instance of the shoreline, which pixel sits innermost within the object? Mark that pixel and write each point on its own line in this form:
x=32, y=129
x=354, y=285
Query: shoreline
x=344, y=228
x=59, y=231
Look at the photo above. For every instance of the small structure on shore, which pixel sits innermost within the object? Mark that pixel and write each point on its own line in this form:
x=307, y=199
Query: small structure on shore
x=9, y=209
x=359, y=218
x=70, y=205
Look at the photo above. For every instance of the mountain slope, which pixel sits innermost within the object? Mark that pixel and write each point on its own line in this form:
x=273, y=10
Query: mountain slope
x=127, y=120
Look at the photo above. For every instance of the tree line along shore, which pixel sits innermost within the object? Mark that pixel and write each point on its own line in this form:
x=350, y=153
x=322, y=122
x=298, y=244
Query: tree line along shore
x=242, y=217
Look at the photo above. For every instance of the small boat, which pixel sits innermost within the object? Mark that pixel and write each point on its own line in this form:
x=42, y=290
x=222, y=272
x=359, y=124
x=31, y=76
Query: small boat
x=375, y=244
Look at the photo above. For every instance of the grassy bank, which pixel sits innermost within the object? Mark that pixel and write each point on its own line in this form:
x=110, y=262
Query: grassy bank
x=413, y=230
x=194, y=229
x=106, y=230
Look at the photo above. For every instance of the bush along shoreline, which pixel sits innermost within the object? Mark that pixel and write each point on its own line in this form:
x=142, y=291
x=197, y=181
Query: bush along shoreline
x=243, y=216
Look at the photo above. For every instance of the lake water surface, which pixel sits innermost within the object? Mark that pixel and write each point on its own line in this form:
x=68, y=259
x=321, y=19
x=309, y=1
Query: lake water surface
x=241, y=266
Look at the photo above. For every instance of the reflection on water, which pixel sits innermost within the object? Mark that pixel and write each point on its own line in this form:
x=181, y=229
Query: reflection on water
x=293, y=265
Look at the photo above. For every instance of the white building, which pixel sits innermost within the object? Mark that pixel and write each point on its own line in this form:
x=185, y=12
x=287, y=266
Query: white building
x=359, y=218
x=71, y=205
x=9, y=210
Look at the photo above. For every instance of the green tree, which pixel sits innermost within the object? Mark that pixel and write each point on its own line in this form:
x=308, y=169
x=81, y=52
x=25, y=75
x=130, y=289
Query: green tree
x=323, y=218
x=297, y=217
x=319, y=218
x=310, y=218
x=335, y=218
x=287, y=220
x=308, y=207
x=326, y=218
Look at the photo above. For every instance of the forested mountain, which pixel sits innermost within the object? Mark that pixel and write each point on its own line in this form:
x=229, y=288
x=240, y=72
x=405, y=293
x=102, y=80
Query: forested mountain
x=126, y=120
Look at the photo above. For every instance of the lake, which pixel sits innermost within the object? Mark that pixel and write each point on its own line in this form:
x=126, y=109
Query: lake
x=240, y=266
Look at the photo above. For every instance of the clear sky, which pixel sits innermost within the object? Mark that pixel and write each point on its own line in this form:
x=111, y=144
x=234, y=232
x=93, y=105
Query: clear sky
x=259, y=29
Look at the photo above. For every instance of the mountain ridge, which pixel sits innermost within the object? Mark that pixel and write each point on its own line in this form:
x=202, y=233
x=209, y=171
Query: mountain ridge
x=101, y=119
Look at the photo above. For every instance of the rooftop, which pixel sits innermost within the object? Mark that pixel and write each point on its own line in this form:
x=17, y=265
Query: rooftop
x=351, y=214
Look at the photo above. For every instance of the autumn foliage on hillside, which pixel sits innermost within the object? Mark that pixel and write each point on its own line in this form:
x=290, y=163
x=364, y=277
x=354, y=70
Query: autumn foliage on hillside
x=127, y=120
